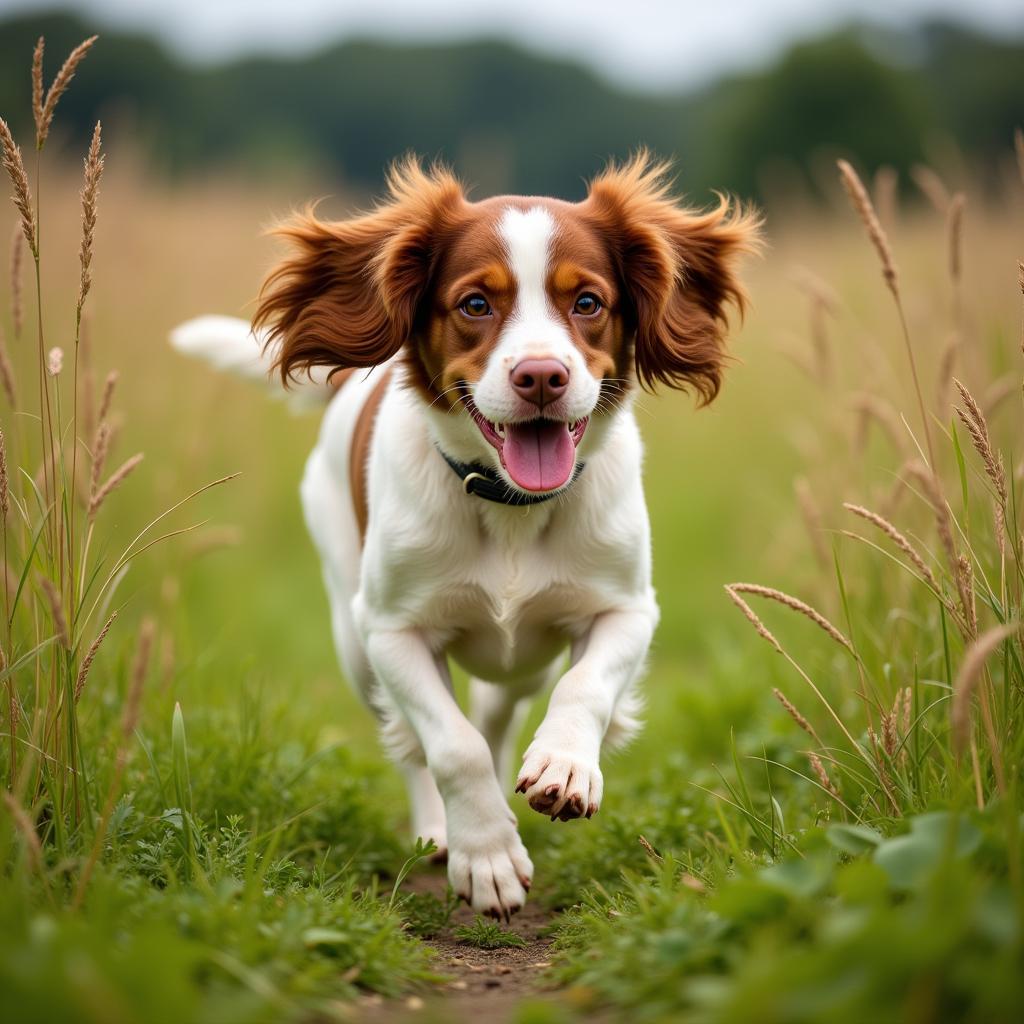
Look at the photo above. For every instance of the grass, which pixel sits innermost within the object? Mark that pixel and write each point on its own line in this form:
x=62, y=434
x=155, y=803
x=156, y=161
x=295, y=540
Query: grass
x=234, y=822
x=486, y=934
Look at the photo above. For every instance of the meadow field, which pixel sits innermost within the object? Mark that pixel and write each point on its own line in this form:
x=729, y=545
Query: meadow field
x=853, y=855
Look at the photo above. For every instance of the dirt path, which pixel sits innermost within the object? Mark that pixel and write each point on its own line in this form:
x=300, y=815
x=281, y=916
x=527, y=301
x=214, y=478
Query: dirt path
x=484, y=984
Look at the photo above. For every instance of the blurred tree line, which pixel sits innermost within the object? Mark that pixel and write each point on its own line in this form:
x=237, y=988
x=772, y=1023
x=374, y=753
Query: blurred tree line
x=510, y=120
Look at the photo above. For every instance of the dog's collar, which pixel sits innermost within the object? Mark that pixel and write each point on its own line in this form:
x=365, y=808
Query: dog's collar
x=482, y=482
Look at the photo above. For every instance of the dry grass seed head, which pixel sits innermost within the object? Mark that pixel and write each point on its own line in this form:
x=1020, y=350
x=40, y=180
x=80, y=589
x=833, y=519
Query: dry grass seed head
x=974, y=420
x=796, y=605
x=108, y=395
x=37, y=84
x=100, y=449
x=83, y=672
x=795, y=715
x=10, y=156
x=964, y=574
x=890, y=728
x=116, y=479
x=55, y=361
x=5, y=495
x=90, y=193
x=966, y=680
x=866, y=211
x=897, y=538
x=59, y=87
x=758, y=625
x=823, y=777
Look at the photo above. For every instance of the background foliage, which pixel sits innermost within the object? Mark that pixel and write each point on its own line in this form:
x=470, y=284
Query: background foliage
x=515, y=121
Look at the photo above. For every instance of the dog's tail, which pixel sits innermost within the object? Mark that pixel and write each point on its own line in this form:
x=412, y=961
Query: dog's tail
x=231, y=344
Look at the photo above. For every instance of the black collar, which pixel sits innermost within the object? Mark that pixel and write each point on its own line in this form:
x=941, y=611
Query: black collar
x=482, y=482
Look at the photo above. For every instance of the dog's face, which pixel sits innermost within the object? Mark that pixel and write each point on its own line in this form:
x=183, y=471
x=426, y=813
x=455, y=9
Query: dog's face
x=523, y=330
x=528, y=318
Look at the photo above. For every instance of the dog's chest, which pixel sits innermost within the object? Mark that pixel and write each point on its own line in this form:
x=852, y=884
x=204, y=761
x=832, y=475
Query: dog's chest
x=509, y=613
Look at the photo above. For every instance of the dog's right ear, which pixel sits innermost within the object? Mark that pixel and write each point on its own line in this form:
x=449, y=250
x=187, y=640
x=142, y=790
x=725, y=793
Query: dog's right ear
x=348, y=294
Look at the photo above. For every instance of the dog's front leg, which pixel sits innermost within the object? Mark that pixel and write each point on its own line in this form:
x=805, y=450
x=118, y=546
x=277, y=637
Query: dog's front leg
x=561, y=774
x=487, y=863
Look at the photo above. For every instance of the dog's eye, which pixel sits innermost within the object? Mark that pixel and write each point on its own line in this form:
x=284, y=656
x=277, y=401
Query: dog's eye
x=475, y=305
x=587, y=305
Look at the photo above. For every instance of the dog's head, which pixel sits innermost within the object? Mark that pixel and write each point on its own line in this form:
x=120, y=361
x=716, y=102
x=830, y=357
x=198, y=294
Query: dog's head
x=524, y=320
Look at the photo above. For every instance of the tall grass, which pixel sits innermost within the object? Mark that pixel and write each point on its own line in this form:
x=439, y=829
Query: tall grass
x=62, y=574
x=927, y=705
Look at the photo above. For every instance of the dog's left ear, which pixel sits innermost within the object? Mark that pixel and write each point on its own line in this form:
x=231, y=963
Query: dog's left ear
x=678, y=269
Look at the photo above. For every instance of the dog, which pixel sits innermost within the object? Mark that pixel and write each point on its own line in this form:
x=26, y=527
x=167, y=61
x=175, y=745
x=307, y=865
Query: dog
x=475, y=494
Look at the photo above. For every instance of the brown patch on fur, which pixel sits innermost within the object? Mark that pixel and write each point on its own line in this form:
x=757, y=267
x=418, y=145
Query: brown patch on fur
x=359, y=453
x=678, y=268
x=580, y=262
x=449, y=347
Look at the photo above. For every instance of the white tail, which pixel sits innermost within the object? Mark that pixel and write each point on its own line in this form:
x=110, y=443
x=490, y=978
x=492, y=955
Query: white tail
x=225, y=341
x=230, y=344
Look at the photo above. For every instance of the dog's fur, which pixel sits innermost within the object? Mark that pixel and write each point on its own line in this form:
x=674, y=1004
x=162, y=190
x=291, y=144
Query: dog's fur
x=441, y=574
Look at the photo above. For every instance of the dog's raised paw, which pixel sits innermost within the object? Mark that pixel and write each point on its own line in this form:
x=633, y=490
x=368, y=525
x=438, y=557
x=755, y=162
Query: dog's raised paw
x=560, y=786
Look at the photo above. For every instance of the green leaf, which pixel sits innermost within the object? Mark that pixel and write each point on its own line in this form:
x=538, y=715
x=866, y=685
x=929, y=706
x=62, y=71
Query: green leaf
x=179, y=755
x=853, y=839
x=806, y=877
x=945, y=829
x=910, y=860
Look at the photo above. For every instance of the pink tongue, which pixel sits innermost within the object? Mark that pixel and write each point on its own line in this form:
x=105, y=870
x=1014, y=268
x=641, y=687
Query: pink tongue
x=539, y=456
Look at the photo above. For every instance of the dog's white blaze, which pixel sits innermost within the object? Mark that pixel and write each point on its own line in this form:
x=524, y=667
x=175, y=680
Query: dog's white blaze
x=527, y=235
x=533, y=329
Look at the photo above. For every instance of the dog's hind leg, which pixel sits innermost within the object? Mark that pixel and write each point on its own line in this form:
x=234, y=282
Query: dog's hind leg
x=426, y=807
x=498, y=711
x=335, y=533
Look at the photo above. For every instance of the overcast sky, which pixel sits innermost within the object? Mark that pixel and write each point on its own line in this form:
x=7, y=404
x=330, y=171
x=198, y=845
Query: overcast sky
x=648, y=43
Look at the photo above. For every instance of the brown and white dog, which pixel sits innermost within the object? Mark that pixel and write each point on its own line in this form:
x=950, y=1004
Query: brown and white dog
x=477, y=497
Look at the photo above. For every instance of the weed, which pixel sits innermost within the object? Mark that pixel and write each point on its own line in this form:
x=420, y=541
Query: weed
x=425, y=915
x=485, y=934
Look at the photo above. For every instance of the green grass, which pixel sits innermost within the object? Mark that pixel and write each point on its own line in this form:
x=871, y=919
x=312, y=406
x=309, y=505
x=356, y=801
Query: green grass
x=247, y=867
x=486, y=934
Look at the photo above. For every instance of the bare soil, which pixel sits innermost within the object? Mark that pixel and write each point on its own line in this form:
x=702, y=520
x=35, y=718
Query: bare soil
x=483, y=985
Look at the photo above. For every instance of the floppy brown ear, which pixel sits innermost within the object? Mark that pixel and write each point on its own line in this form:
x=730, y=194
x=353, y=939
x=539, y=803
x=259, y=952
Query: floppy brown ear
x=348, y=294
x=678, y=268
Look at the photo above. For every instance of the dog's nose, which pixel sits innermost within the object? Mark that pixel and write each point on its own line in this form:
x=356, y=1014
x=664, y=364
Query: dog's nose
x=540, y=381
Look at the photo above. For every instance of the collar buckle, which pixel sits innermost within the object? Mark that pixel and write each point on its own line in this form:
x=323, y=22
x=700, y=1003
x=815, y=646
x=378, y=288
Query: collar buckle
x=467, y=481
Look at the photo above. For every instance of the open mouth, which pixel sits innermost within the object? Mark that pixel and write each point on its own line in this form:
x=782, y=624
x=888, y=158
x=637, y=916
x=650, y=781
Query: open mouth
x=538, y=454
